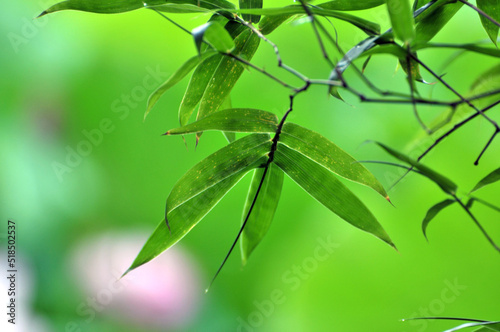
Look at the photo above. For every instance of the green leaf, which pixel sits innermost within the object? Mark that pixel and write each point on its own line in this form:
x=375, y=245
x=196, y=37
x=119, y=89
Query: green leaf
x=401, y=16
x=490, y=326
x=488, y=179
x=230, y=136
x=433, y=211
x=433, y=20
x=321, y=184
x=350, y=4
x=121, y=6
x=370, y=28
x=495, y=52
x=249, y=4
x=330, y=156
x=227, y=74
x=215, y=35
x=232, y=120
x=201, y=188
x=443, y=182
x=269, y=23
x=492, y=8
x=175, y=78
x=263, y=211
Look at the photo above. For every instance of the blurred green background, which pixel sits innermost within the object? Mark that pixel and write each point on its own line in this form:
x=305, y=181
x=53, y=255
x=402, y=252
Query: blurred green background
x=70, y=73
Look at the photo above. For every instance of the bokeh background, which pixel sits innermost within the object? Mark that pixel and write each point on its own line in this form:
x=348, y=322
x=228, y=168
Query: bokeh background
x=72, y=74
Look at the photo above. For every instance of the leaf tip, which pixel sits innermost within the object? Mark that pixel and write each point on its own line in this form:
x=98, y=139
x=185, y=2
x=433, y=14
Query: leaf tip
x=42, y=14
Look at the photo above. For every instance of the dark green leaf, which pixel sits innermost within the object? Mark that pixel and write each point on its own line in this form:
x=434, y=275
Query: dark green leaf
x=433, y=20
x=263, y=211
x=443, y=182
x=350, y=4
x=488, y=179
x=433, y=211
x=269, y=23
x=327, y=154
x=250, y=4
x=215, y=35
x=401, y=16
x=495, y=52
x=321, y=184
x=492, y=8
x=232, y=120
x=201, y=188
x=175, y=78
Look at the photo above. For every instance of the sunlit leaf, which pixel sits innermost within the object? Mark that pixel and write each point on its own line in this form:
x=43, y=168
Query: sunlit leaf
x=201, y=188
x=443, y=182
x=327, y=154
x=263, y=211
x=322, y=184
x=176, y=77
x=488, y=179
x=489, y=326
x=232, y=120
x=433, y=211
x=230, y=136
x=401, y=16
x=350, y=4
x=121, y=6
x=492, y=8
x=250, y=4
x=215, y=35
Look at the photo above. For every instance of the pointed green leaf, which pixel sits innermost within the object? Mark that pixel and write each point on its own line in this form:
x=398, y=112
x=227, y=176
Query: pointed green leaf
x=201, y=188
x=215, y=35
x=176, y=77
x=263, y=211
x=321, y=184
x=270, y=23
x=232, y=120
x=488, y=179
x=492, y=8
x=350, y=4
x=490, y=51
x=249, y=4
x=443, y=182
x=401, y=16
x=121, y=6
x=324, y=152
x=433, y=20
x=370, y=28
x=433, y=211
x=227, y=74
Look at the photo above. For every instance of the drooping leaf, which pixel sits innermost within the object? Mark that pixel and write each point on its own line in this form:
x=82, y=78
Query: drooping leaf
x=350, y=4
x=443, y=182
x=232, y=120
x=121, y=6
x=433, y=20
x=401, y=16
x=250, y=4
x=263, y=211
x=369, y=27
x=176, y=77
x=215, y=35
x=492, y=8
x=201, y=188
x=269, y=23
x=475, y=199
x=488, y=179
x=227, y=74
x=322, y=184
x=324, y=152
x=433, y=211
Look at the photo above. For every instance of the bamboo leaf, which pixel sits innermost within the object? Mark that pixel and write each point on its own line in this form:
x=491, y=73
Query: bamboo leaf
x=489, y=326
x=175, y=78
x=443, y=182
x=488, y=179
x=230, y=136
x=269, y=23
x=433, y=20
x=321, y=184
x=264, y=209
x=201, y=188
x=433, y=211
x=402, y=22
x=121, y=6
x=249, y=4
x=327, y=154
x=215, y=35
x=232, y=120
x=492, y=8
x=351, y=5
